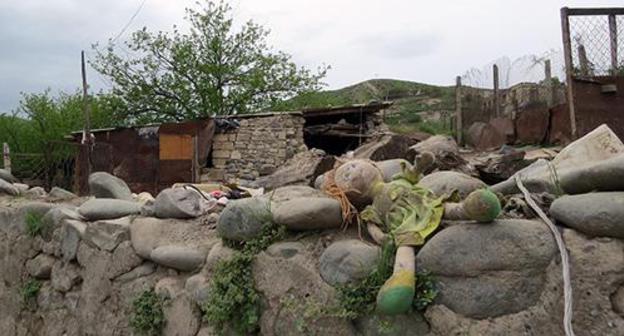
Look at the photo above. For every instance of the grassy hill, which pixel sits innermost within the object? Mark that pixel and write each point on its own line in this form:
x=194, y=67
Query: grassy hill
x=417, y=106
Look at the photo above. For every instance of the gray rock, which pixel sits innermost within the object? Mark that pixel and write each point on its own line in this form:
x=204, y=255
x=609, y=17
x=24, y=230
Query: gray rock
x=197, y=286
x=446, y=182
x=54, y=217
x=180, y=203
x=148, y=233
x=617, y=301
x=21, y=187
x=65, y=276
x=379, y=325
x=179, y=257
x=72, y=231
x=125, y=260
x=348, y=261
x=8, y=177
x=285, y=249
x=308, y=213
x=287, y=193
x=182, y=316
x=142, y=270
x=41, y=266
x=108, y=234
x=217, y=253
x=595, y=214
x=61, y=194
x=49, y=299
x=8, y=188
x=482, y=268
x=169, y=287
x=108, y=208
x=105, y=185
x=244, y=219
x=35, y=192
x=389, y=168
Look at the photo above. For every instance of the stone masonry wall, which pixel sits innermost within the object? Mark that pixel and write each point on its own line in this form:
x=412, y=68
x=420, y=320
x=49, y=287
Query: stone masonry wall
x=258, y=147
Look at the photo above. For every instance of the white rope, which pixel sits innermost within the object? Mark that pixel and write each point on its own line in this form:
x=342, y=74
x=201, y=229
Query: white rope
x=565, y=265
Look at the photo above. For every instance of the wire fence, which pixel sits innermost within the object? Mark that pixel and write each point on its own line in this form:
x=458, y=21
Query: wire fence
x=597, y=44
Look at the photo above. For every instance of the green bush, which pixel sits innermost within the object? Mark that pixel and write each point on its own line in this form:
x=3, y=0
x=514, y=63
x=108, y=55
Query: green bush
x=233, y=300
x=34, y=224
x=147, y=316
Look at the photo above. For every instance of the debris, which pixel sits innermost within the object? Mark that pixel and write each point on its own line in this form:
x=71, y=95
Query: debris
x=302, y=169
x=446, y=152
x=496, y=167
x=105, y=185
x=387, y=147
x=182, y=203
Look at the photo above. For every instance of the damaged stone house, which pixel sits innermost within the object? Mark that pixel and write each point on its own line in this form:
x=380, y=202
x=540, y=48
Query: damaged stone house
x=237, y=148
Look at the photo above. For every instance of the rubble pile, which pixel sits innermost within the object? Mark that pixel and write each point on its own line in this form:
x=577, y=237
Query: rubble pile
x=416, y=239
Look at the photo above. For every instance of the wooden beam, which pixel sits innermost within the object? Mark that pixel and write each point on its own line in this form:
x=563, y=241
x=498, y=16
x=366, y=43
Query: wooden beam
x=567, y=54
x=614, y=43
x=594, y=11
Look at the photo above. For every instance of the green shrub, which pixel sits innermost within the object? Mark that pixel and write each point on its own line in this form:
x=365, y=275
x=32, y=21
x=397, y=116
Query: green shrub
x=233, y=300
x=147, y=316
x=34, y=224
x=29, y=291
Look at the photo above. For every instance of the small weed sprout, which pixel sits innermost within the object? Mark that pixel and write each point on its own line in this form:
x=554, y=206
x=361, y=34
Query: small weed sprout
x=147, y=316
x=30, y=290
x=34, y=224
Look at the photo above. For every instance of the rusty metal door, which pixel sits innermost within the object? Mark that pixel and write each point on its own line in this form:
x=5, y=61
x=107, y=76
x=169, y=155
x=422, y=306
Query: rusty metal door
x=177, y=158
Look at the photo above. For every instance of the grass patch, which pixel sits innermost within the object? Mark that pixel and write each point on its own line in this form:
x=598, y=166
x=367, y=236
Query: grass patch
x=147, y=316
x=34, y=224
x=29, y=292
x=233, y=300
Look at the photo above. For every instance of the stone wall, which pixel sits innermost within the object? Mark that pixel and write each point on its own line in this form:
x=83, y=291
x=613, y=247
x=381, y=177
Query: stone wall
x=257, y=147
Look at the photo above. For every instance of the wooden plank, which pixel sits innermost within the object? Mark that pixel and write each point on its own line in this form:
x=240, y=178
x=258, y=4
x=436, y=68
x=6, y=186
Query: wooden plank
x=614, y=44
x=176, y=147
x=594, y=11
x=567, y=54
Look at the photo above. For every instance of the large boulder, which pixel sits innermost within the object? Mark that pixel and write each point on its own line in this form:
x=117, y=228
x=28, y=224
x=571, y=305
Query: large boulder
x=105, y=185
x=447, y=182
x=348, y=261
x=389, y=168
x=489, y=270
x=7, y=176
x=108, y=234
x=148, y=234
x=8, y=188
x=179, y=257
x=308, y=213
x=301, y=169
x=244, y=219
x=483, y=136
x=108, y=208
x=595, y=214
x=41, y=266
x=180, y=203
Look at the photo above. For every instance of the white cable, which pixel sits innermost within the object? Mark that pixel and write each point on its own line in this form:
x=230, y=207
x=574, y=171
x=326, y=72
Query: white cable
x=565, y=264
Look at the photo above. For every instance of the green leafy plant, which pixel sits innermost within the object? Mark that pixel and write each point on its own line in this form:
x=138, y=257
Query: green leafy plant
x=30, y=290
x=147, y=316
x=35, y=225
x=233, y=300
x=426, y=290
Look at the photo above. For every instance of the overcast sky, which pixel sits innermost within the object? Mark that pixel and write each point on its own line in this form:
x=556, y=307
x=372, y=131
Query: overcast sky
x=424, y=41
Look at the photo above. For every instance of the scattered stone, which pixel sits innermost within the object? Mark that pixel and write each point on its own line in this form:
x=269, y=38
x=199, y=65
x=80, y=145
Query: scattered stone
x=49, y=299
x=179, y=257
x=142, y=270
x=496, y=168
x=65, y=276
x=387, y=147
x=217, y=253
x=197, y=286
x=108, y=234
x=302, y=169
x=180, y=203
x=182, y=316
x=595, y=214
x=61, y=194
x=35, y=192
x=105, y=185
x=108, y=208
x=6, y=176
x=21, y=187
x=244, y=219
x=348, y=261
x=285, y=249
x=41, y=266
x=389, y=168
x=308, y=213
x=483, y=282
x=8, y=188
x=125, y=259
x=446, y=182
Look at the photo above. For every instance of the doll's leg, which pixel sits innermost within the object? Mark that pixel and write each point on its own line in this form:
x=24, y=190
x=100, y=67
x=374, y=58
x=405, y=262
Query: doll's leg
x=481, y=205
x=375, y=232
x=397, y=294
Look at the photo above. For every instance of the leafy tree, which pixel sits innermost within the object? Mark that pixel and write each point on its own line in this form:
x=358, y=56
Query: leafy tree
x=213, y=68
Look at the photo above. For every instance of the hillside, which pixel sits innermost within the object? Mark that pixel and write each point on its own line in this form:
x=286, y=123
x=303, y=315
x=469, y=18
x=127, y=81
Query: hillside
x=417, y=106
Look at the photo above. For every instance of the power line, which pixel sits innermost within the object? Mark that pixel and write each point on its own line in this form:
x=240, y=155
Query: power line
x=123, y=30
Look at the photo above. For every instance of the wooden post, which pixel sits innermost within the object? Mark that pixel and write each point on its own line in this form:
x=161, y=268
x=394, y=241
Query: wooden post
x=458, y=112
x=6, y=155
x=496, y=93
x=567, y=54
x=550, y=96
x=613, y=44
x=86, y=108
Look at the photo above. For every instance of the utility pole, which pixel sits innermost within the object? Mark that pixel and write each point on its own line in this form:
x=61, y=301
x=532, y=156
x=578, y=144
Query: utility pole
x=86, y=108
